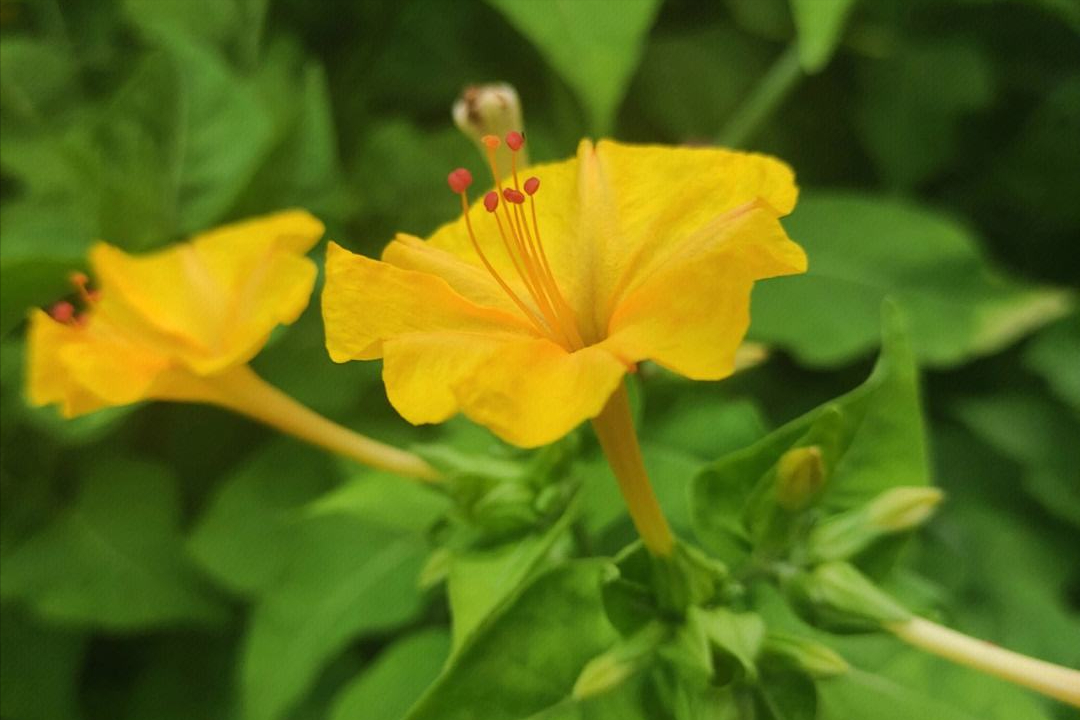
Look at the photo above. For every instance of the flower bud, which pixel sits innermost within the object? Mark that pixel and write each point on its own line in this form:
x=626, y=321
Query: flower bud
x=800, y=475
x=607, y=671
x=491, y=110
x=810, y=656
x=846, y=534
x=838, y=597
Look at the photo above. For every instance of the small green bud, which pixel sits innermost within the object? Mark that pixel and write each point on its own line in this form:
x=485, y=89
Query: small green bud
x=492, y=109
x=800, y=475
x=607, y=671
x=846, y=534
x=810, y=656
x=838, y=597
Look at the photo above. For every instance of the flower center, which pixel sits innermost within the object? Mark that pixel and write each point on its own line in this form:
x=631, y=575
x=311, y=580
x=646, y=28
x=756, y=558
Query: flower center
x=65, y=312
x=550, y=314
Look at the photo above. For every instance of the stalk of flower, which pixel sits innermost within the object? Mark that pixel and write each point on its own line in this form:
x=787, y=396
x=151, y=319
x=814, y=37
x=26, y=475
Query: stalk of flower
x=527, y=313
x=182, y=323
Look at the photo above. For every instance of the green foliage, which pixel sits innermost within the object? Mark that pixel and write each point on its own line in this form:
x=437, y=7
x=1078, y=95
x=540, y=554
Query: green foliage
x=177, y=562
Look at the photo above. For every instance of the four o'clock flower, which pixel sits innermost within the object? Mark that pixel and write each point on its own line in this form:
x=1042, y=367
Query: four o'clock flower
x=526, y=313
x=182, y=323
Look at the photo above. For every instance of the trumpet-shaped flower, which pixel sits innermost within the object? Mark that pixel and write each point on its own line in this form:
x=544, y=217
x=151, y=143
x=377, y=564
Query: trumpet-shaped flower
x=157, y=326
x=182, y=323
x=526, y=312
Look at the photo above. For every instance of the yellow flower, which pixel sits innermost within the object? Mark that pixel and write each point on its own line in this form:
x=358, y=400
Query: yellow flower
x=182, y=323
x=526, y=313
x=157, y=326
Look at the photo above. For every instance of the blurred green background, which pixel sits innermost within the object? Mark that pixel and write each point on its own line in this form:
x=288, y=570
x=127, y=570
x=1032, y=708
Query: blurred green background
x=174, y=561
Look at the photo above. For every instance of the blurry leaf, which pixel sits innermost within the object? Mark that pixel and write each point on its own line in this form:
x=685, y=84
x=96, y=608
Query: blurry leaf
x=594, y=44
x=1038, y=434
x=343, y=578
x=863, y=248
x=479, y=581
x=36, y=78
x=211, y=21
x=396, y=679
x=243, y=538
x=526, y=657
x=702, y=423
x=181, y=677
x=912, y=103
x=820, y=24
x=725, y=65
x=39, y=670
x=1055, y=354
x=384, y=498
x=114, y=559
x=871, y=439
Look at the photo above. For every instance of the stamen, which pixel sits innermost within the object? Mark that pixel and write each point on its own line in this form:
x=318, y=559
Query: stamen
x=532, y=185
x=515, y=140
x=63, y=312
x=513, y=196
x=491, y=201
x=462, y=178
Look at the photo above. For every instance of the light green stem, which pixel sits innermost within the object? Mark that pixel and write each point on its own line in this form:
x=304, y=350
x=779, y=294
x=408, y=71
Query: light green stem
x=1052, y=680
x=781, y=78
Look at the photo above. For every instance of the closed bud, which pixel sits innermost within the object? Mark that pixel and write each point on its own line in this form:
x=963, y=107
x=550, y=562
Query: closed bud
x=848, y=533
x=800, y=475
x=608, y=671
x=810, y=656
x=838, y=597
x=491, y=110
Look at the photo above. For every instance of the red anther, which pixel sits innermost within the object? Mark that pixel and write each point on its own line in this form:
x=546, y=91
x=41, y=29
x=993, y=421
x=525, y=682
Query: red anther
x=513, y=196
x=62, y=311
x=93, y=295
x=491, y=141
x=515, y=140
x=78, y=279
x=491, y=201
x=532, y=185
x=459, y=180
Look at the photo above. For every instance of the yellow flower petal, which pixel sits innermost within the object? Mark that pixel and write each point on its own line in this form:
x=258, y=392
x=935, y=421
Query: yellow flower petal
x=366, y=302
x=691, y=314
x=48, y=378
x=213, y=302
x=529, y=392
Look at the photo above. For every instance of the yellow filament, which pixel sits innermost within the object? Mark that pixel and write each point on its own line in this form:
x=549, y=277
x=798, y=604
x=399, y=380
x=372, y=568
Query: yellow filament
x=498, y=278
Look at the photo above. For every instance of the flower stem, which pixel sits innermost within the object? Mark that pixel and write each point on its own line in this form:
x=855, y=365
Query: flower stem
x=242, y=391
x=1055, y=681
x=780, y=79
x=614, y=428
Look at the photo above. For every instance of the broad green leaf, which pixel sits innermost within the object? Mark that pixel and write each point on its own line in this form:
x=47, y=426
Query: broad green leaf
x=527, y=656
x=1040, y=435
x=820, y=24
x=863, y=248
x=595, y=45
x=245, y=534
x=871, y=438
x=179, y=677
x=1055, y=354
x=344, y=578
x=39, y=670
x=911, y=126
x=114, y=559
x=396, y=679
x=479, y=581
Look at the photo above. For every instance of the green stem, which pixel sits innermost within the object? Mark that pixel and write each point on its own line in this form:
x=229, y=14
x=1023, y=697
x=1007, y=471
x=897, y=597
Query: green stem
x=778, y=82
x=1052, y=680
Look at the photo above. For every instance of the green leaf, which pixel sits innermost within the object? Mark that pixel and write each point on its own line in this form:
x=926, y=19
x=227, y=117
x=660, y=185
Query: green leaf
x=863, y=248
x=526, y=658
x=344, y=578
x=911, y=126
x=480, y=581
x=871, y=440
x=594, y=45
x=820, y=24
x=1038, y=434
x=395, y=680
x=243, y=538
x=39, y=670
x=114, y=559
x=1055, y=354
